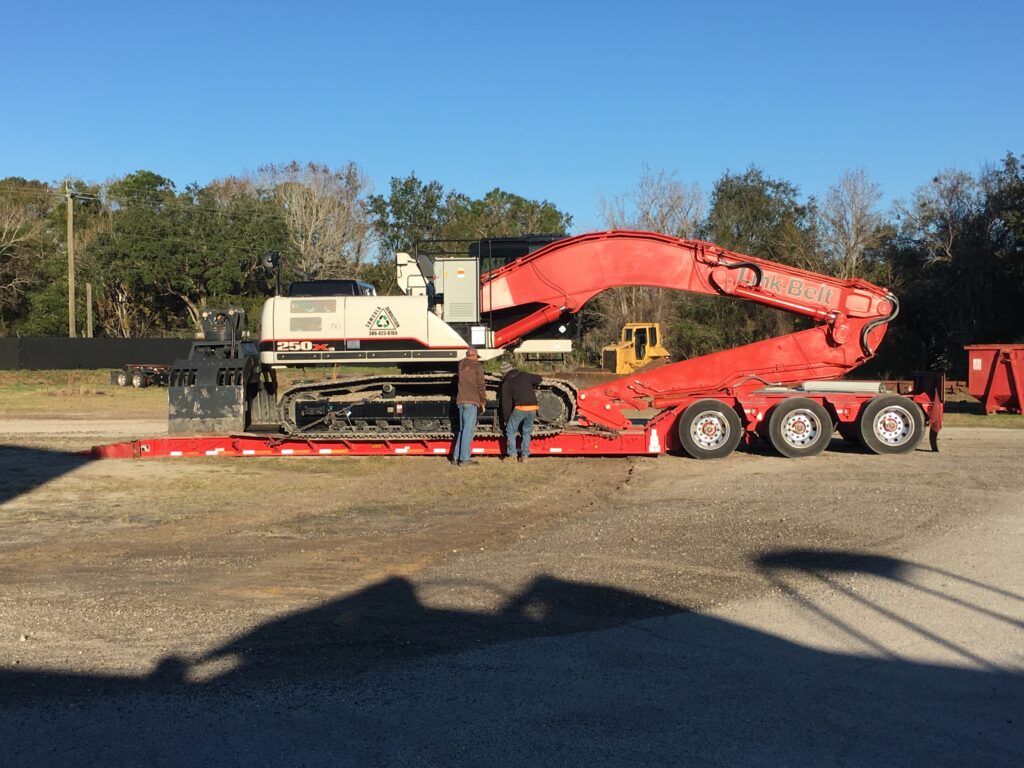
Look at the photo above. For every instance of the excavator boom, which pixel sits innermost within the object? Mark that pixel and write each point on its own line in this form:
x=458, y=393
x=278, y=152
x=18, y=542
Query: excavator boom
x=851, y=315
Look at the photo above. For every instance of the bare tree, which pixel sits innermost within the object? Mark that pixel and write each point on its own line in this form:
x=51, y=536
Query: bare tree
x=121, y=312
x=22, y=224
x=940, y=211
x=325, y=212
x=658, y=203
x=849, y=221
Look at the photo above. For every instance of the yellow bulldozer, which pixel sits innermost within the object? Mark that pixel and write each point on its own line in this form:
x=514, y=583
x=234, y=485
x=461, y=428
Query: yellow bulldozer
x=638, y=346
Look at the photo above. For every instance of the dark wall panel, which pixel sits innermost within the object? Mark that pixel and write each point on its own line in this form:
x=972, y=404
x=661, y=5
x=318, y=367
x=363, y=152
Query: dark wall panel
x=8, y=354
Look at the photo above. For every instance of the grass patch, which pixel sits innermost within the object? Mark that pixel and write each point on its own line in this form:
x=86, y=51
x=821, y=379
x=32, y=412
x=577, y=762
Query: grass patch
x=996, y=420
x=89, y=393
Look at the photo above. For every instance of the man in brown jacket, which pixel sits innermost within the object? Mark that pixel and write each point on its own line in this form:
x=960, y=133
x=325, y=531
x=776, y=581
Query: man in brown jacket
x=471, y=398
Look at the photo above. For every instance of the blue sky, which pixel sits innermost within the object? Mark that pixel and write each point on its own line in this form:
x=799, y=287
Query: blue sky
x=561, y=101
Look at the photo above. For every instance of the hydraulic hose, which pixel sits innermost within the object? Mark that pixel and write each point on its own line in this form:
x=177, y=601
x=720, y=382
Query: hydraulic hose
x=877, y=322
x=755, y=268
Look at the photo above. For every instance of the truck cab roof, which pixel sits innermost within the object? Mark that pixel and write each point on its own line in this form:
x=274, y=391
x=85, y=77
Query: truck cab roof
x=331, y=288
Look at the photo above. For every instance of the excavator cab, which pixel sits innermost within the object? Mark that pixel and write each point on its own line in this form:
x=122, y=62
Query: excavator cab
x=638, y=346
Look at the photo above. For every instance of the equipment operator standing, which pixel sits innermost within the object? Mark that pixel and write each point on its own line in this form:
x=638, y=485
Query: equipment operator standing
x=471, y=398
x=519, y=408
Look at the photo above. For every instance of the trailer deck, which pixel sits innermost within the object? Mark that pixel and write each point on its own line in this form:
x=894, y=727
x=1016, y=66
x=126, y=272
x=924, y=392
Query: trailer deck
x=647, y=441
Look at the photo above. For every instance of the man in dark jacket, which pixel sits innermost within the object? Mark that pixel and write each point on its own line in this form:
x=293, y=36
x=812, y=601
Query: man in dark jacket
x=519, y=408
x=471, y=398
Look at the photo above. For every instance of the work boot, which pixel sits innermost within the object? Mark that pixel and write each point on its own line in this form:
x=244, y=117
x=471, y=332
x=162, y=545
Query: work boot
x=468, y=462
x=522, y=459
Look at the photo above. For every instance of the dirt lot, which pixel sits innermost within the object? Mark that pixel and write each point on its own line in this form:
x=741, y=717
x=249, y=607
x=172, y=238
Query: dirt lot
x=228, y=569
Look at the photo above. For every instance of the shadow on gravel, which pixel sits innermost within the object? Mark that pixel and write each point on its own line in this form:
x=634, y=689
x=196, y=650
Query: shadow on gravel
x=22, y=469
x=562, y=674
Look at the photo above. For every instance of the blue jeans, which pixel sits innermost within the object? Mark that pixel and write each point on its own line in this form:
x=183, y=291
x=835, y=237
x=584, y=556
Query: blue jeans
x=467, y=426
x=517, y=419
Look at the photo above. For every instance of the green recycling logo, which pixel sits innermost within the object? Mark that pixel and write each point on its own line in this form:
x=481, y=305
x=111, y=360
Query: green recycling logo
x=383, y=322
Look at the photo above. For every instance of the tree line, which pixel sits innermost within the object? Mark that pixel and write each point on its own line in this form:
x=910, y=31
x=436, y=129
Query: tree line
x=156, y=256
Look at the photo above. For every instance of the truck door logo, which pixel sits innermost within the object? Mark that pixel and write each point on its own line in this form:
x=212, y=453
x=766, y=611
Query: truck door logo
x=382, y=322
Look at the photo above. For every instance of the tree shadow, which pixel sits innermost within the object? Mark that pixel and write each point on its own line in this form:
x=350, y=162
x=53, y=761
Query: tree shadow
x=23, y=469
x=825, y=566
x=561, y=673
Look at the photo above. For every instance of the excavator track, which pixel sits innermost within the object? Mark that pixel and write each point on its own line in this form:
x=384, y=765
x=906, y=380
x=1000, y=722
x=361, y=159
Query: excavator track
x=408, y=406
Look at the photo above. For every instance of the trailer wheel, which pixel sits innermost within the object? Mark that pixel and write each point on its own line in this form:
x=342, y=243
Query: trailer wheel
x=799, y=427
x=121, y=377
x=709, y=429
x=139, y=379
x=891, y=424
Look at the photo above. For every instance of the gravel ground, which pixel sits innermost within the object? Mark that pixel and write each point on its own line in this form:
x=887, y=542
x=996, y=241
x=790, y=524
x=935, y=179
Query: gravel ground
x=840, y=610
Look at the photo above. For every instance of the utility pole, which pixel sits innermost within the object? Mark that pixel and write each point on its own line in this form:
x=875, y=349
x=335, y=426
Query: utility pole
x=88, y=310
x=71, y=260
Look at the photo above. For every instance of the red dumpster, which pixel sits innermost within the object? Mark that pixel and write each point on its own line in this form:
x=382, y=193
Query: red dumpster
x=994, y=376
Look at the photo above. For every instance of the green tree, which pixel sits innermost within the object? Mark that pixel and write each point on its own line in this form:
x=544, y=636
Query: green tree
x=957, y=261
x=753, y=214
x=169, y=255
x=1004, y=193
x=502, y=214
x=760, y=216
x=137, y=254
x=47, y=313
x=412, y=211
x=228, y=227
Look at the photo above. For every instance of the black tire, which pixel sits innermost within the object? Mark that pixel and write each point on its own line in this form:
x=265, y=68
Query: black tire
x=799, y=427
x=709, y=429
x=262, y=410
x=139, y=380
x=890, y=424
x=121, y=377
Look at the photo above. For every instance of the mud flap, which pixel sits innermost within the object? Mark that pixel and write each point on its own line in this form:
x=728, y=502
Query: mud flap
x=933, y=384
x=935, y=424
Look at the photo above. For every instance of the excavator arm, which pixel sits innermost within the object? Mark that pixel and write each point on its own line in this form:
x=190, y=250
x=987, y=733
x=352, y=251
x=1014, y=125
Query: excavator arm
x=851, y=315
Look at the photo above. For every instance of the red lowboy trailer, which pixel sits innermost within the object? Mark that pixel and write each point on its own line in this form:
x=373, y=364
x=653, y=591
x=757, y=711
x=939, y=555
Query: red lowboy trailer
x=787, y=390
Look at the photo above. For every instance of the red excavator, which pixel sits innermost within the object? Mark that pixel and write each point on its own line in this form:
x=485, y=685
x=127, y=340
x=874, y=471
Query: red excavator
x=786, y=389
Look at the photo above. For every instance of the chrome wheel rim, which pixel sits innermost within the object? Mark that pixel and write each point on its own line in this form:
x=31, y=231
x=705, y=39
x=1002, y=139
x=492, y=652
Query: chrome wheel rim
x=709, y=430
x=801, y=428
x=894, y=425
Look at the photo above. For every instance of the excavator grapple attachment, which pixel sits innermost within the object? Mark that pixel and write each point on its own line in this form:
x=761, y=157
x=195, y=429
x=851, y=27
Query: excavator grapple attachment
x=208, y=396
